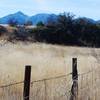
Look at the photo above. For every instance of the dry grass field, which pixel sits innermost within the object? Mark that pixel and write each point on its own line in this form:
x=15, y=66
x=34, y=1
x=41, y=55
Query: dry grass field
x=48, y=61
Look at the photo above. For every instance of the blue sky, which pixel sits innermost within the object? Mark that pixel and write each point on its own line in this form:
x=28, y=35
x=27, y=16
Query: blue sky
x=87, y=8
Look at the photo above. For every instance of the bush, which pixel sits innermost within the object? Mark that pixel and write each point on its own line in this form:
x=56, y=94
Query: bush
x=40, y=24
x=2, y=30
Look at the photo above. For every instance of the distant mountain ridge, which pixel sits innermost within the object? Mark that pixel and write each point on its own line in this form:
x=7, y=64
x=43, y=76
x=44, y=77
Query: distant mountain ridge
x=21, y=18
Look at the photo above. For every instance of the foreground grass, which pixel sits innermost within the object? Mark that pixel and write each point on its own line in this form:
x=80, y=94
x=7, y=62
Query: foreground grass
x=48, y=61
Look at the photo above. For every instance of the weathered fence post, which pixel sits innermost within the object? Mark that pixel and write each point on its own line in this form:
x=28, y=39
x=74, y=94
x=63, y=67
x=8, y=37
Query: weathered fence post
x=74, y=69
x=74, y=89
x=27, y=78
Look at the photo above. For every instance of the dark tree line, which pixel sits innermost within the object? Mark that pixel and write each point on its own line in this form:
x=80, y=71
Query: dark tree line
x=67, y=30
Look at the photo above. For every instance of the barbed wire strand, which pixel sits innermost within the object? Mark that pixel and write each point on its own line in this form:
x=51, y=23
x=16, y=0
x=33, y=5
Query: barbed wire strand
x=51, y=78
x=3, y=86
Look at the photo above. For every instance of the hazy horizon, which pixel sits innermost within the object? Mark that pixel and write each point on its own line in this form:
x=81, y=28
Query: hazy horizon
x=86, y=8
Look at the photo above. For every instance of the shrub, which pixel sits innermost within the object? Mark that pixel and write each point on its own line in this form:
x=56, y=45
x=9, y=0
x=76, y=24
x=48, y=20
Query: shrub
x=2, y=30
x=40, y=24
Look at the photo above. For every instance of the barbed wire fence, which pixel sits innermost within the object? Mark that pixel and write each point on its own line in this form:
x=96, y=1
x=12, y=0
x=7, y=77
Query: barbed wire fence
x=72, y=86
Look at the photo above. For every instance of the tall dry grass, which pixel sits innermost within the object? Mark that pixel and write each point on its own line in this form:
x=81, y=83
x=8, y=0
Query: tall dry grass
x=48, y=61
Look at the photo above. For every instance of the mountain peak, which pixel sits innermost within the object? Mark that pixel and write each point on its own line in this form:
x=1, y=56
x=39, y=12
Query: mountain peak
x=19, y=12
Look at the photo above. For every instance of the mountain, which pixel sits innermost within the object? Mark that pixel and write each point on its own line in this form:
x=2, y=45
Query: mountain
x=21, y=18
x=42, y=17
x=98, y=22
x=88, y=20
x=39, y=17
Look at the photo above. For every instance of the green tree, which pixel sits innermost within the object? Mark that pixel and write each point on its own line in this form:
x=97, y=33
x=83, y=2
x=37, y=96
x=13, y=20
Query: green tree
x=40, y=24
x=65, y=21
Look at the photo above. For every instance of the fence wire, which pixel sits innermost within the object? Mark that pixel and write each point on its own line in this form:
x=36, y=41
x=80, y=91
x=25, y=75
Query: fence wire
x=56, y=88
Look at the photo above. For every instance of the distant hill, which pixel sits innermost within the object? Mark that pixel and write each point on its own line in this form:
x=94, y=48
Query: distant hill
x=98, y=22
x=88, y=20
x=21, y=18
x=41, y=17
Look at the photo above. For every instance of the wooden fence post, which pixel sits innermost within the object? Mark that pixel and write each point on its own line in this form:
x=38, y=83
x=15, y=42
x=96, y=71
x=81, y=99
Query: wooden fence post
x=27, y=78
x=74, y=89
x=74, y=69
